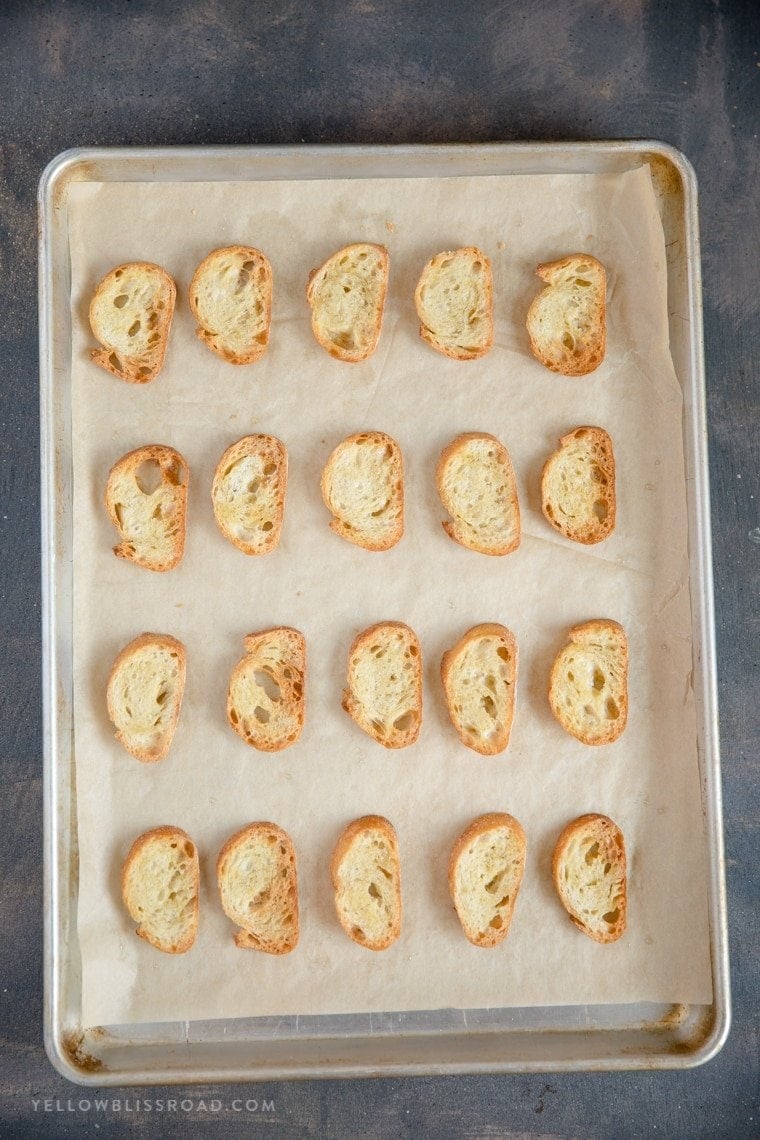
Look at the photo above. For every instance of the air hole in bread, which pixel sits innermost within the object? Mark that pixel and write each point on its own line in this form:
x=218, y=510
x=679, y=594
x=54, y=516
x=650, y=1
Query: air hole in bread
x=262, y=716
x=270, y=468
x=496, y=922
x=405, y=721
x=611, y=916
x=373, y=892
x=568, y=341
x=114, y=360
x=267, y=682
x=592, y=853
x=121, y=300
x=489, y=705
x=503, y=653
x=598, y=680
x=581, y=281
x=600, y=510
x=267, y=526
x=134, y=328
x=149, y=476
x=613, y=712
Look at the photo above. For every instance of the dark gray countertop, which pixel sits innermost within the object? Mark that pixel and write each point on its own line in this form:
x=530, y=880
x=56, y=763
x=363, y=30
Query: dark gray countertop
x=377, y=71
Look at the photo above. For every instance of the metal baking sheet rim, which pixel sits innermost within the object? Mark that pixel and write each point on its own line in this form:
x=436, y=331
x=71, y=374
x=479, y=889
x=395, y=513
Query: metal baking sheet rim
x=536, y=1039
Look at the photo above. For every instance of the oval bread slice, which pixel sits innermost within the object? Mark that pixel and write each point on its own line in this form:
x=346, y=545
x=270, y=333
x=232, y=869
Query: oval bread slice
x=566, y=321
x=131, y=314
x=248, y=493
x=146, y=500
x=258, y=886
x=578, y=486
x=231, y=299
x=384, y=687
x=477, y=486
x=485, y=872
x=479, y=679
x=347, y=298
x=144, y=694
x=265, y=698
x=454, y=300
x=588, y=687
x=159, y=884
x=366, y=878
x=589, y=871
x=363, y=487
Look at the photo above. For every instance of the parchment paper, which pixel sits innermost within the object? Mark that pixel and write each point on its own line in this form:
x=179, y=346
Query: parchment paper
x=212, y=783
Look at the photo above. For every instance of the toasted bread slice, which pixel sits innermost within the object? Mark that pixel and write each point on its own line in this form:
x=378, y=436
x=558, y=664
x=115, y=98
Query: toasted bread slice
x=454, y=299
x=588, y=688
x=478, y=488
x=146, y=499
x=265, y=699
x=144, y=694
x=578, y=486
x=258, y=886
x=485, y=872
x=589, y=870
x=479, y=679
x=363, y=486
x=159, y=884
x=384, y=688
x=131, y=314
x=231, y=299
x=347, y=298
x=566, y=321
x=366, y=877
x=248, y=493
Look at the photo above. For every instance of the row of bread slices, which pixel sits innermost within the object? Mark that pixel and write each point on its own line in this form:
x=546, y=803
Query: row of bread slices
x=231, y=299
x=363, y=487
x=258, y=883
x=588, y=687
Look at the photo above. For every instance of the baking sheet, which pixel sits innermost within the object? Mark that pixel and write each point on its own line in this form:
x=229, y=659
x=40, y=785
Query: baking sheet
x=212, y=783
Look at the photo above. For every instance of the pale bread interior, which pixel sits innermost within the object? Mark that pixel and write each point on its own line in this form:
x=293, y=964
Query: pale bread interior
x=487, y=874
x=453, y=301
x=477, y=487
x=479, y=679
x=566, y=321
x=590, y=875
x=588, y=689
x=144, y=694
x=160, y=889
x=367, y=891
x=578, y=486
x=249, y=493
x=231, y=298
x=347, y=295
x=265, y=702
x=258, y=888
x=147, y=499
x=130, y=315
x=362, y=486
x=384, y=680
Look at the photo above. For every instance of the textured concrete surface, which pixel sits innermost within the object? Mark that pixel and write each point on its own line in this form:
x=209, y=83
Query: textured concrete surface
x=375, y=71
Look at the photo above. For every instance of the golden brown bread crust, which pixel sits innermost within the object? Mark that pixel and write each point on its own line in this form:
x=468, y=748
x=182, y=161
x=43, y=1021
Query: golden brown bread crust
x=165, y=641
x=174, y=472
x=460, y=531
x=147, y=367
x=284, y=893
x=572, y=359
x=599, y=496
x=260, y=265
x=167, y=832
x=491, y=821
x=341, y=851
x=611, y=845
x=449, y=661
x=583, y=636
